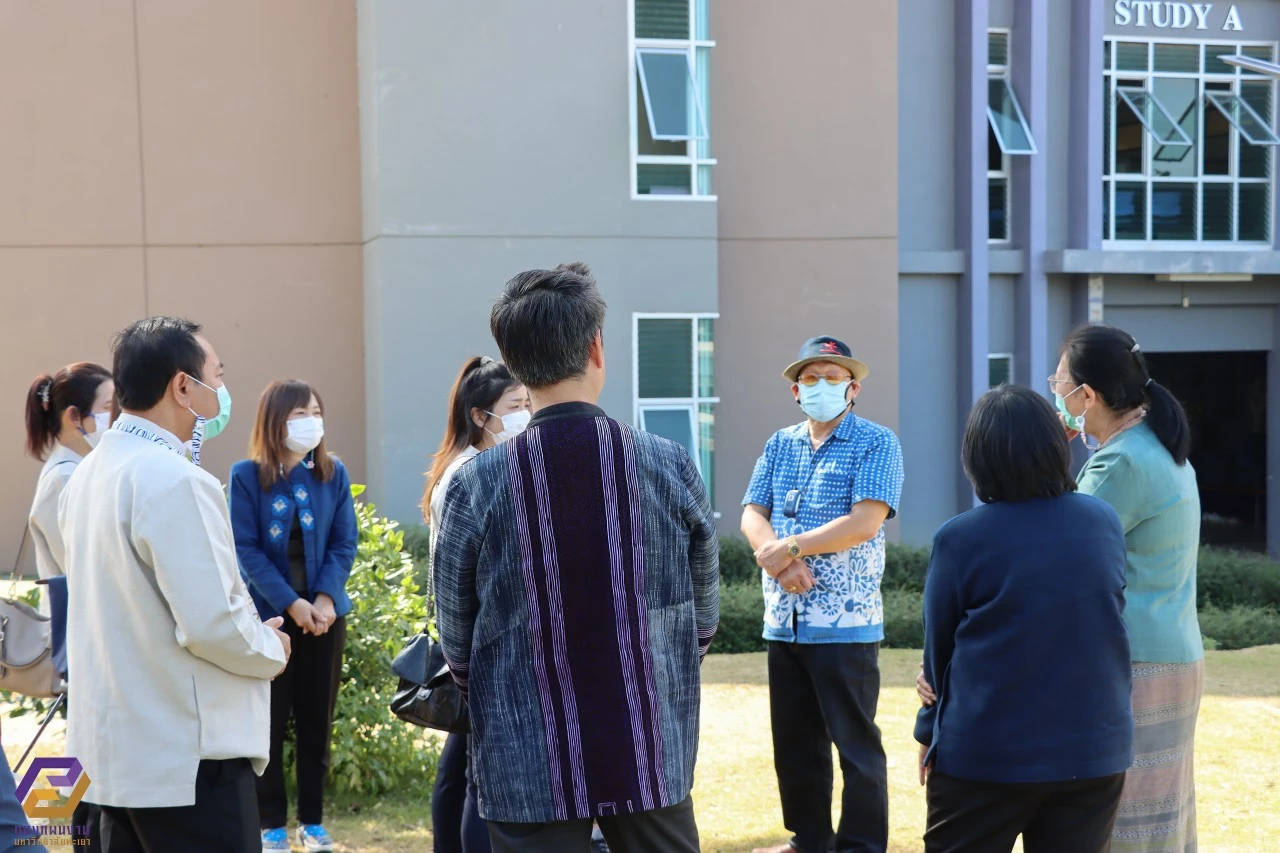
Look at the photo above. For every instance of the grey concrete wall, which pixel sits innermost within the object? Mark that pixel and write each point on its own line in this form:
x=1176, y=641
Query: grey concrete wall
x=1003, y=319
x=930, y=438
x=489, y=154
x=808, y=192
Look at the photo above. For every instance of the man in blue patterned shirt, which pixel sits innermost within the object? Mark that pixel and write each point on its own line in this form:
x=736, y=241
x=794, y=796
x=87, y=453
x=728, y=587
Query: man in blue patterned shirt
x=815, y=513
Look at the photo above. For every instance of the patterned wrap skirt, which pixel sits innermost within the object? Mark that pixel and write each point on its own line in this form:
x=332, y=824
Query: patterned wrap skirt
x=1158, y=807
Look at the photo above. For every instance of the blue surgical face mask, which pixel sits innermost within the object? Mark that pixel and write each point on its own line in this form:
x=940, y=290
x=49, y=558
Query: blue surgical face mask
x=1073, y=422
x=824, y=403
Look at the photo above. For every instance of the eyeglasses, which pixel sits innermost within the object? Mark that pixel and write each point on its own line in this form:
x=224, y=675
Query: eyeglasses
x=1055, y=384
x=809, y=380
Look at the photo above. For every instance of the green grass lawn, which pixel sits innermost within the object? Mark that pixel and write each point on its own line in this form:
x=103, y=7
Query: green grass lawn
x=1237, y=762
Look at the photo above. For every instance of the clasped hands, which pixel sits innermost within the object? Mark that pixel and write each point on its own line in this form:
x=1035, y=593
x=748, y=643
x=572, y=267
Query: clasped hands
x=791, y=573
x=313, y=619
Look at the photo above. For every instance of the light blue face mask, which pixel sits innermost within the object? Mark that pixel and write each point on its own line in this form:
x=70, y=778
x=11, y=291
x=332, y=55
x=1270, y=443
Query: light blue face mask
x=824, y=403
x=1073, y=422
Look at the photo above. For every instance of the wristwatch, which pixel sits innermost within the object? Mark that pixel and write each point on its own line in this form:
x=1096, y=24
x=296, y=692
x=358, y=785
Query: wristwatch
x=793, y=548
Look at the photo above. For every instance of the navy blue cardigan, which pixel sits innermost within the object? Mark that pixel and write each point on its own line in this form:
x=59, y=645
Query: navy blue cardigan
x=1025, y=644
x=262, y=520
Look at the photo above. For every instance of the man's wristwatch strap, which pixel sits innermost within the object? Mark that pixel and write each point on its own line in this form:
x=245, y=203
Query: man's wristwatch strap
x=793, y=548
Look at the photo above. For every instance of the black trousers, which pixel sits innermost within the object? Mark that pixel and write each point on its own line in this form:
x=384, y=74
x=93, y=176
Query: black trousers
x=223, y=820
x=87, y=814
x=669, y=830
x=456, y=825
x=1051, y=817
x=820, y=694
x=307, y=691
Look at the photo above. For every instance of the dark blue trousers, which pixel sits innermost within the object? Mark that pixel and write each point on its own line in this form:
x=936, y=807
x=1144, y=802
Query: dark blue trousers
x=455, y=822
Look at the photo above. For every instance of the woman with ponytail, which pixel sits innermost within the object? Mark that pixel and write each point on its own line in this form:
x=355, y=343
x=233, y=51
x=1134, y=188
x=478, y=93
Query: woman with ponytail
x=487, y=406
x=66, y=415
x=1141, y=438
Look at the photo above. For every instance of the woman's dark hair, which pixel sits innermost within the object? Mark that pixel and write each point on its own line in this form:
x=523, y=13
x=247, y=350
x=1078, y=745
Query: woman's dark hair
x=270, y=429
x=1110, y=362
x=149, y=353
x=1015, y=448
x=480, y=385
x=545, y=323
x=73, y=387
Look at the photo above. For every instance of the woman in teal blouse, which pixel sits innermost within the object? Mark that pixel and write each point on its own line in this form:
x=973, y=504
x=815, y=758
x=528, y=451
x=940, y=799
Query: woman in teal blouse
x=1140, y=467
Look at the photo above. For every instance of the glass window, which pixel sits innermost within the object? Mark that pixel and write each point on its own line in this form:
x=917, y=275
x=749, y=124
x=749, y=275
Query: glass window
x=1000, y=369
x=998, y=209
x=662, y=19
x=675, y=383
x=665, y=350
x=1005, y=114
x=997, y=48
x=671, y=146
x=1243, y=118
x=1189, y=141
x=670, y=101
x=1153, y=116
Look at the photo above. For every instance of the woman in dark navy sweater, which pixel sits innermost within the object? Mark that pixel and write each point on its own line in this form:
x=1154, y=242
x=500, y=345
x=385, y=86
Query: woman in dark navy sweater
x=295, y=530
x=1025, y=639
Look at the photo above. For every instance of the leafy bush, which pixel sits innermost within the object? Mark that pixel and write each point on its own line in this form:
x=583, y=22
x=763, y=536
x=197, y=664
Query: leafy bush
x=1225, y=578
x=903, y=619
x=738, y=562
x=373, y=752
x=1239, y=627
x=741, y=620
x=905, y=567
x=417, y=542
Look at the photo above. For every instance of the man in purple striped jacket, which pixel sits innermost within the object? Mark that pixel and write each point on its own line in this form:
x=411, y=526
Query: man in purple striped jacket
x=577, y=590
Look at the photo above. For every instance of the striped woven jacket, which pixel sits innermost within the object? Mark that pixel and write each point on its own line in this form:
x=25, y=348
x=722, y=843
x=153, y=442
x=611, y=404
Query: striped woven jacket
x=577, y=590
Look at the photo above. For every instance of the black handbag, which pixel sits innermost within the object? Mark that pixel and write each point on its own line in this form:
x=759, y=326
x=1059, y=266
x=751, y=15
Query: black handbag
x=427, y=695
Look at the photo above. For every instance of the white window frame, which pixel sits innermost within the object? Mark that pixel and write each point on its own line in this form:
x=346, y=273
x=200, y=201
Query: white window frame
x=1231, y=73
x=1006, y=163
x=691, y=404
x=697, y=153
x=993, y=356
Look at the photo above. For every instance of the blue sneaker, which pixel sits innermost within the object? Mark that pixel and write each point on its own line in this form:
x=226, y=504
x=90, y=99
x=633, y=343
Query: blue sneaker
x=313, y=838
x=275, y=839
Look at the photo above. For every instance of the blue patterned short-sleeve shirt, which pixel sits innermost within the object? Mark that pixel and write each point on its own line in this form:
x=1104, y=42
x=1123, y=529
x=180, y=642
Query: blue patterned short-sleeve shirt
x=860, y=461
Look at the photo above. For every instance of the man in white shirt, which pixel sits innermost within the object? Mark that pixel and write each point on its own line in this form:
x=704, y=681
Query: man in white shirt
x=169, y=708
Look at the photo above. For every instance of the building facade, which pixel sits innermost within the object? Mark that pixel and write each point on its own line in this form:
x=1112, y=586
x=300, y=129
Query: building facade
x=1092, y=162
x=339, y=191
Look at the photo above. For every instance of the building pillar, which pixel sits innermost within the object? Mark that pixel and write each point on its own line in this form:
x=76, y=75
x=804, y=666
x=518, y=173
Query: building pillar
x=973, y=311
x=1030, y=189
x=1084, y=136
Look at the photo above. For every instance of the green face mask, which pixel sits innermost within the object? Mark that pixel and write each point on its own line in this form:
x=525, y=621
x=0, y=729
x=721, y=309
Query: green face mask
x=1073, y=422
x=218, y=424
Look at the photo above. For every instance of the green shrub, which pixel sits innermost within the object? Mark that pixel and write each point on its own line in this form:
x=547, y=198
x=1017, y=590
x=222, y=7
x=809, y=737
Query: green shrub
x=1239, y=627
x=738, y=562
x=417, y=544
x=903, y=619
x=905, y=567
x=1225, y=578
x=741, y=620
x=373, y=752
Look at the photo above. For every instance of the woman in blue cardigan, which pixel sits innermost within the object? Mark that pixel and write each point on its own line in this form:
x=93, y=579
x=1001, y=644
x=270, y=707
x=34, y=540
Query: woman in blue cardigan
x=295, y=531
x=1024, y=637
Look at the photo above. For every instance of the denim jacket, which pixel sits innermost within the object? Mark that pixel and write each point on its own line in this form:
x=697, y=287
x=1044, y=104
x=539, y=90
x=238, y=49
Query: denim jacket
x=577, y=588
x=261, y=521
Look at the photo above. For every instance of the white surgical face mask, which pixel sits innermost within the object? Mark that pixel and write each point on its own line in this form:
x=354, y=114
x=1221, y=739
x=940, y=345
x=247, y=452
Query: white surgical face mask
x=512, y=425
x=101, y=422
x=305, y=434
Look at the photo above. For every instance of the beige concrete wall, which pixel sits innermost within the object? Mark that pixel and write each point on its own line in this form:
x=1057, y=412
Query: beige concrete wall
x=804, y=121
x=192, y=157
